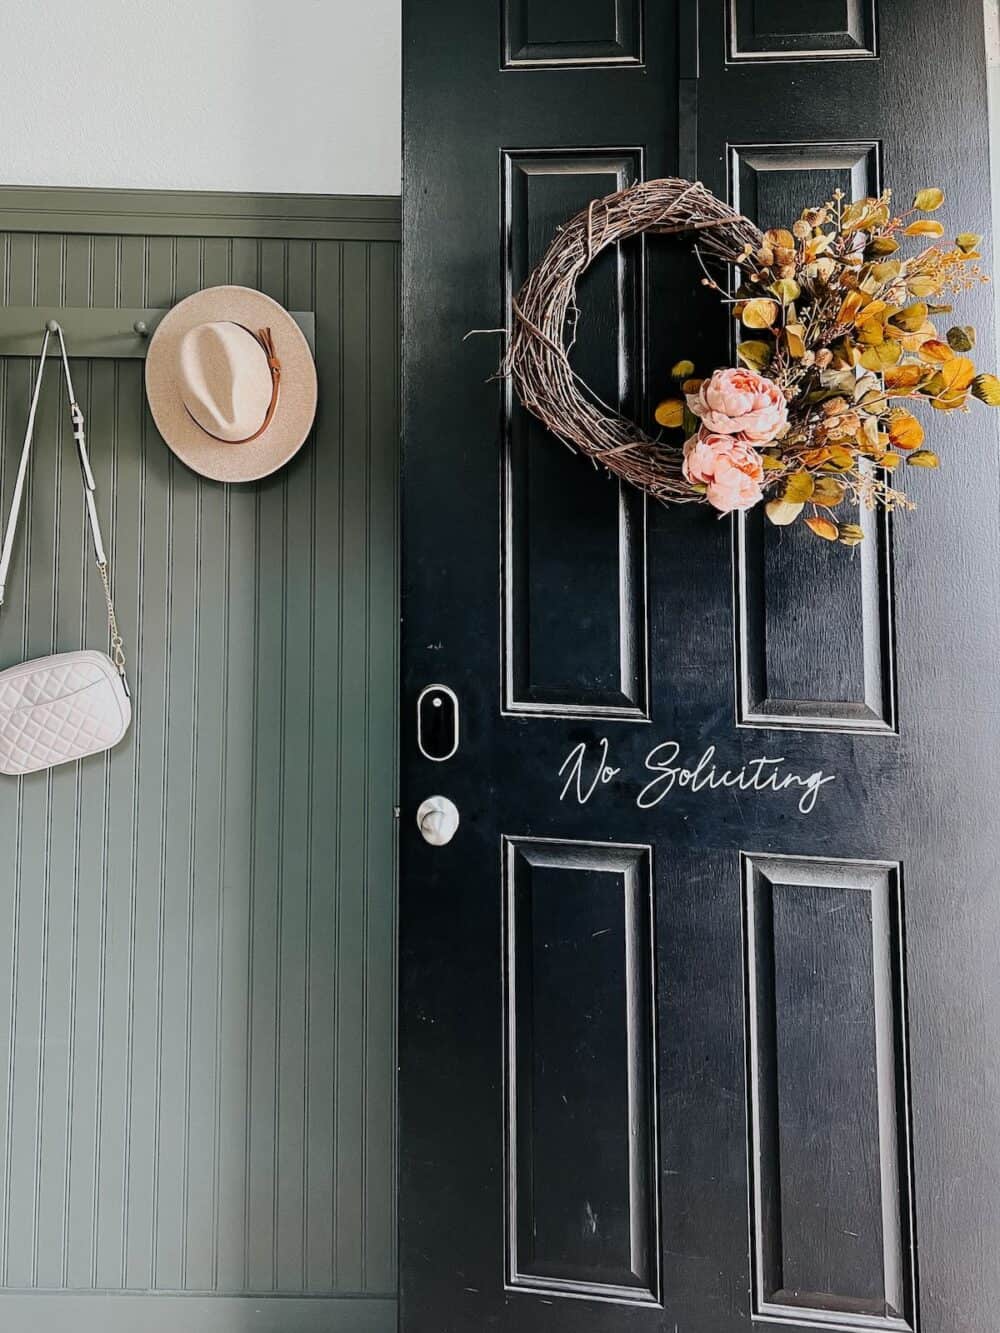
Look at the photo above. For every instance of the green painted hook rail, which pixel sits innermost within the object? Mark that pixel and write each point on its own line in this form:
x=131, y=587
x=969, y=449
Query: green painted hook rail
x=112, y=331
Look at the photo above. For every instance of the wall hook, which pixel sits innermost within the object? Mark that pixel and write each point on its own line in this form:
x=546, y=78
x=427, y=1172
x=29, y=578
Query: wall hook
x=106, y=331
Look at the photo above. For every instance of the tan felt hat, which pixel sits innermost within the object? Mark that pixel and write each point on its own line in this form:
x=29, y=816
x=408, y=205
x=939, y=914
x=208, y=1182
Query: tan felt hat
x=231, y=383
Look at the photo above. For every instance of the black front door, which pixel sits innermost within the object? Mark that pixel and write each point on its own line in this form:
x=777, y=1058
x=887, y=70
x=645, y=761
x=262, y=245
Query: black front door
x=678, y=1057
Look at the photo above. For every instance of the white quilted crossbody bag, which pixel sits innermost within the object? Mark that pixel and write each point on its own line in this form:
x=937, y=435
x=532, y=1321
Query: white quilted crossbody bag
x=57, y=709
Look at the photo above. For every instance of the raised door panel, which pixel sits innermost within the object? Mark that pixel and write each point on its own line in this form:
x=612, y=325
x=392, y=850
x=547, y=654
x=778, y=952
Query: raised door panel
x=581, y=1196
x=791, y=671
x=574, y=560
x=832, y=1233
x=824, y=29
x=551, y=33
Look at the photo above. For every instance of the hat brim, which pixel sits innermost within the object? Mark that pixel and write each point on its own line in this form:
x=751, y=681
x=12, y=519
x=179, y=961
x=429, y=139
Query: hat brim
x=296, y=406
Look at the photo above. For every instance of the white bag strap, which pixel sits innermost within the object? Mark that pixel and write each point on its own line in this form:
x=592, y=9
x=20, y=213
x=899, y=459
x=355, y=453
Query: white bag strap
x=89, y=491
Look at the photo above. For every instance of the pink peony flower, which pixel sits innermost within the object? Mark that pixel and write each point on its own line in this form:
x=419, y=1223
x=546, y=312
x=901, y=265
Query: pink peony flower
x=731, y=469
x=740, y=402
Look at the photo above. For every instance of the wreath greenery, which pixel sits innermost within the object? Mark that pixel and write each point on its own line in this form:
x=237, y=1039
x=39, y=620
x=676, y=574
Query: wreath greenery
x=838, y=328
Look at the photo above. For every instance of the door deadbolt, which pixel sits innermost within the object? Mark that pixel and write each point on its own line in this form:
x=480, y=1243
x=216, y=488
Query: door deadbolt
x=437, y=820
x=437, y=723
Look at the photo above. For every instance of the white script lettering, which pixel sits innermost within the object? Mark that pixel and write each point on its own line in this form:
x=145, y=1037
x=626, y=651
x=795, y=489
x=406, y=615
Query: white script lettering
x=574, y=762
x=762, y=774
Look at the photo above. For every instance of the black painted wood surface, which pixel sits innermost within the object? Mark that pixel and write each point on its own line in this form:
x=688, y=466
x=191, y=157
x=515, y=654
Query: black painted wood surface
x=727, y=1055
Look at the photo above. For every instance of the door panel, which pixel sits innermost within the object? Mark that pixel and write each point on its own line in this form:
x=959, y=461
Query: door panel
x=791, y=670
x=823, y=923
x=551, y=548
x=540, y=33
x=581, y=1201
x=827, y=29
x=828, y=1075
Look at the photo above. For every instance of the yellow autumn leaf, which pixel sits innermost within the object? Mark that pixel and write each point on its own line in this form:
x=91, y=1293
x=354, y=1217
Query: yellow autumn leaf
x=782, y=512
x=798, y=488
x=924, y=458
x=888, y=271
x=923, y=285
x=823, y=527
x=839, y=458
x=912, y=318
x=670, y=413
x=928, y=200
x=946, y=400
x=795, y=340
x=868, y=213
x=987, y=389
x=780, y=239
x=881, y=357
x=912, y=342
x=935, y=352
x=958, y=373
x=869, y=438
x=760, y=313
x=871, y=332
x=924, y=227
x=849, y=308
x=968, y=241
x=890, y=461
x=904, y=377
x=681, y=370
x=755, y=354
x=850, y=534
x=786, y=290
x=905, y=431
x=827, y=492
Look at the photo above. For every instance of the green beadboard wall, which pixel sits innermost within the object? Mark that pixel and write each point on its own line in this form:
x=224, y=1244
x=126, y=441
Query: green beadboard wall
x=197, y=968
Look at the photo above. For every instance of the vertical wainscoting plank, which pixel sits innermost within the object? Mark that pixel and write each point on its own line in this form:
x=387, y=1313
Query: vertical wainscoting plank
x=230, y=1238
x=203, y=1002
x=120, y=473
x=265, y=993
x=291, y=1153
x=18, y=289
x=326, y=775
x=353, y=813
x=99, y=403
x=50, y=797
x=155, y=752
x=380, y=747
x=70, y=283
x=36, y=596
x=180, y=702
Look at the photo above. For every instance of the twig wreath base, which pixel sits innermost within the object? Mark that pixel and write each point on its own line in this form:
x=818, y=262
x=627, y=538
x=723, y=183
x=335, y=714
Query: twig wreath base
x=537, y=359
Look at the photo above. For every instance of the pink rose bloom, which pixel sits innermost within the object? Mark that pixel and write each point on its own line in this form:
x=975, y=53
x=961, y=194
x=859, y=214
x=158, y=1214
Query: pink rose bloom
x=731, y=469
x=740, y=402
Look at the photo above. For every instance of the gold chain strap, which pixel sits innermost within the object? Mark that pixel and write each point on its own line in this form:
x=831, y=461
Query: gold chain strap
x=117, y=644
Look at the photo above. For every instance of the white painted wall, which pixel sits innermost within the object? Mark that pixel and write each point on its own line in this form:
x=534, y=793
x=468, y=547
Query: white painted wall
x=275, y=95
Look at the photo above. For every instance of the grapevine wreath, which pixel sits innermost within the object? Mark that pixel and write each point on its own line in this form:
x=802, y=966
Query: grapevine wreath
x=836, y=342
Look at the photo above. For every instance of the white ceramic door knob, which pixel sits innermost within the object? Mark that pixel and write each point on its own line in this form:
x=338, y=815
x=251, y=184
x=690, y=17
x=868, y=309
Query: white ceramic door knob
x=437, y=820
